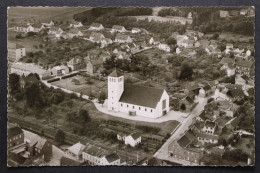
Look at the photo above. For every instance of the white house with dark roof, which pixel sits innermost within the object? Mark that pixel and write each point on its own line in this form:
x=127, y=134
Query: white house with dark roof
x=96, y=27
x=76, y=24
x=133, y=139
x=134, y=99
x=96, y=37
x=120, y=38
x=164, y=47
x=136, y=30
x=118, y=28
x=75, y=151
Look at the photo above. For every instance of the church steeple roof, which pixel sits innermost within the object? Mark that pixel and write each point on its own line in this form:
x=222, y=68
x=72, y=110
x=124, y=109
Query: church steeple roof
x=115, y=73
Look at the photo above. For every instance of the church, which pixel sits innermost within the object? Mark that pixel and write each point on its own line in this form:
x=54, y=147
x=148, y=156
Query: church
x=134, y=99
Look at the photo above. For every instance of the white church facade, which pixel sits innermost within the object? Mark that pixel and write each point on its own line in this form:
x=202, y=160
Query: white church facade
x=134, y=99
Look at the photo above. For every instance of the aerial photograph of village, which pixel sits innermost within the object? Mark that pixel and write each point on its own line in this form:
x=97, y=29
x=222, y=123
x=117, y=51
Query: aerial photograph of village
x=132, y=86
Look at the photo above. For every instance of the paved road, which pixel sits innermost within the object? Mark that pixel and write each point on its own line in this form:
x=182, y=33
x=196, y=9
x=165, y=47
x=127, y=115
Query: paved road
x=162, y=153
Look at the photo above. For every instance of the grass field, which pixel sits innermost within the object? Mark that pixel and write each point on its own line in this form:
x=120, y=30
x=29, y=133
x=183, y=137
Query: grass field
x=83, y=87
x=34, y=14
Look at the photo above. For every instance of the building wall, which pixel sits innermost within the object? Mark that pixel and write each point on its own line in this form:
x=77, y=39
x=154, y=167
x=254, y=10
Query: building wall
x=115, y=90
x=93, y=160
x=97, y=28
x=178, y=152
x=129, y=140
x=15, y=140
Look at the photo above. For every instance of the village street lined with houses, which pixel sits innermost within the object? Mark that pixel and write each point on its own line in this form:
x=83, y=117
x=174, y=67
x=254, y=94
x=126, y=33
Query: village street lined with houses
x=131, y=86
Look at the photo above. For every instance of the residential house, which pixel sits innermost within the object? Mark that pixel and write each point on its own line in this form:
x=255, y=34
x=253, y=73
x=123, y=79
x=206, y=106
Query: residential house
x=183, y=149
x=48, y=24
x=73, y=33
x=187, y=52
x=229, y=46
x=233, y=123
x=121, y=136
x=118, y=28
x=96, y=27
x=76, y=24
x=182, y=40
x=111, y=159
x=234, y=13
x=94, y=66
x=226, y=108
x=243, y=12
x=209, y=127
x=236, y=94
x=223, y=14
x=204, y=43
x=96, y=37
x=229, y=68
x=136, y=30
x=164, y=47
x=206, y=138
x=94, y=155
x=205, y=91
x=23, y=28
x=59, y=70
x=133, y=139
x=76, y=63
x=120, y=38
x=197, y=44
x=55, y=30
x=186, y=104
x=75, y=151
x=245, y=81
x=15, y=136
x=154, y=40
x=105, y=42
x=244, y=67
x=25, y=69
x=37, y=27
x=192, y=88
x=40, y=147
x=15, y=52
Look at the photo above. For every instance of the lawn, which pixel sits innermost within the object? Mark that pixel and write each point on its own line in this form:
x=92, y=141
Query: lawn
x=83, y=87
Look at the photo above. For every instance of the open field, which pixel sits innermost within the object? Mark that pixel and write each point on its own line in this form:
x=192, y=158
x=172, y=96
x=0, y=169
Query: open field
x=26, y=42
x=42, y=13
x=83, y=87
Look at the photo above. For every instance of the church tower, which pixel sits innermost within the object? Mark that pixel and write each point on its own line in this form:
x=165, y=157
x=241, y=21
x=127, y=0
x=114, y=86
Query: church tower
x=115, y=90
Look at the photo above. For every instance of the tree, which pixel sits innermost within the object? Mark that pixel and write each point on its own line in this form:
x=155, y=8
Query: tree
x=14, y=82
x=186, y=71
x=33, y=95
x=84, y=116
x=60, y=137
x=102, y=98
x=215, y=36
x=171, y=41
x=19, y=36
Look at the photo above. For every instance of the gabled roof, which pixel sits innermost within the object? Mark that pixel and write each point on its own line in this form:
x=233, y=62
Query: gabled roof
x=210, y=124
x=140, y=95
x=117, y=27
x=186, y=139
x=203, y=116
x=37, y=25
x=73, y=31
x=121, y=37
x=236, y=92
x=112, y=157
x=136, y=29
x=95, y=151
x=227, y=60
x=193, y=87
x=115, y=73
x=207, y=136
x=95, y=25
x=135, y=135
x=13, y=131
x=54, y=28
x=76, y=148
x=97, y=35
x=244, y=63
